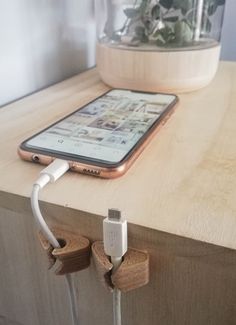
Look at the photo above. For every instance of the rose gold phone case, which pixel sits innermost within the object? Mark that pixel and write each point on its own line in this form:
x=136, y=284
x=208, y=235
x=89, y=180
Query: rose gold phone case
x=104, y=172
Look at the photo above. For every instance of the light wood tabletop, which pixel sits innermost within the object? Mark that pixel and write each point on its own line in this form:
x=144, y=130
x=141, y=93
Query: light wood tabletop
x=184, y=183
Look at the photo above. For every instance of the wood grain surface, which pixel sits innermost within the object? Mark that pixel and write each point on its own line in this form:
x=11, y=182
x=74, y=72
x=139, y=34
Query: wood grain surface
x=179, y=194
x=133, y=273
x=184, y=182
x=72, y=256
x=191, y=283
x=167, y=71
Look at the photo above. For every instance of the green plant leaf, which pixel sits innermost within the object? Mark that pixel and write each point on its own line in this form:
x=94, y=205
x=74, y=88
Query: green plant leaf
x=139, y=30
x=141, y=34
x=177, y=4
x=145, y=39
x=178, y=25
x=165, y=35
x=160, y=42
x=143, y=6
x=212, y=8
x=183, y=32
x=190, y=18
x=166, y=3
x=131, y=12
x=206, y=25
x=172, y=19
x=147, y=24
x=156, y=10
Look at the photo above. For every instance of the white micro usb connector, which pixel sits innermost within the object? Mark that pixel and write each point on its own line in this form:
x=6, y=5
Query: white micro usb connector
x=115, y=246
x=115, y=234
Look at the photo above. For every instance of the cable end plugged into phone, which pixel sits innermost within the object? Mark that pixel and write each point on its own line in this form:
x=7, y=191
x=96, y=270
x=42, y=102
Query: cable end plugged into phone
x=56, y=169
x=52, y=172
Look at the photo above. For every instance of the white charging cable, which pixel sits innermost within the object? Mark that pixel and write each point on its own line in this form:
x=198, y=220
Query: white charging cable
x=115, y=246
x=51, y=174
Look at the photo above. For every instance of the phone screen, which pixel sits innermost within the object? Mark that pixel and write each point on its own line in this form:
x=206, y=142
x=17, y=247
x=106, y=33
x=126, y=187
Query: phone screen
x=105, y=130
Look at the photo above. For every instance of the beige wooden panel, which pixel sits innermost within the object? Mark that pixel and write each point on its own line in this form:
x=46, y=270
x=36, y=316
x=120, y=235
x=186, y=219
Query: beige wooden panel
x=173, y=71
x=191, y=283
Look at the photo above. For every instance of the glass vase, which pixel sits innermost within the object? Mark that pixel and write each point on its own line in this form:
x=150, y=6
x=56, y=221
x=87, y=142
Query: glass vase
x=158, y=45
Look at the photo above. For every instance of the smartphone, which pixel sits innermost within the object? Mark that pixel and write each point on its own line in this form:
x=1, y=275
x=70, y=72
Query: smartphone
x=104, y=137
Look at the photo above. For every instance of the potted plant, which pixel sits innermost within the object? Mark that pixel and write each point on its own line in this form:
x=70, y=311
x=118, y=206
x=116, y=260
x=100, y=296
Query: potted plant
x=158, y=45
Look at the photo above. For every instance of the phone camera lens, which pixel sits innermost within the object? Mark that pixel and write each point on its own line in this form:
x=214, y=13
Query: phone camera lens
x=35, y=158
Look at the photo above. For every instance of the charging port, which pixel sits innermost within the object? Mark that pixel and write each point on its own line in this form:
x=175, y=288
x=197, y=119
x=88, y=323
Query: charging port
x=35, y=158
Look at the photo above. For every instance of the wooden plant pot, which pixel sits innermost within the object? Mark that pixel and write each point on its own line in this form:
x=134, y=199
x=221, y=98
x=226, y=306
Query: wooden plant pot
x=169, y=71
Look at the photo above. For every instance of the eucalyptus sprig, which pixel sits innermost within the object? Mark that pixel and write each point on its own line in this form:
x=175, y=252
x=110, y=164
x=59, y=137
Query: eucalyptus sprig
x=167, y=23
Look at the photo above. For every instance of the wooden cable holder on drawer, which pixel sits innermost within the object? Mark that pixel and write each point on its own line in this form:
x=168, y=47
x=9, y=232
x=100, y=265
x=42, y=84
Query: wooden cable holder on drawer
x=133, y=272
x=74, y=255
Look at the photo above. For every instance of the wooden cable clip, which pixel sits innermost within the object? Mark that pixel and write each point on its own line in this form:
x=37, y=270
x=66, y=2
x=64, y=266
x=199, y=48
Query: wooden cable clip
x=74, y=255
x=133, y=272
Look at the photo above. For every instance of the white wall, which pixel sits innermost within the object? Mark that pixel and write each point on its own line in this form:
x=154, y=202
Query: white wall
x=42, y=42
x=229, y=32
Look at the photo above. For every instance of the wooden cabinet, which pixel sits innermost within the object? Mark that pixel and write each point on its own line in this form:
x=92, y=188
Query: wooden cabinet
x=179, y=200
